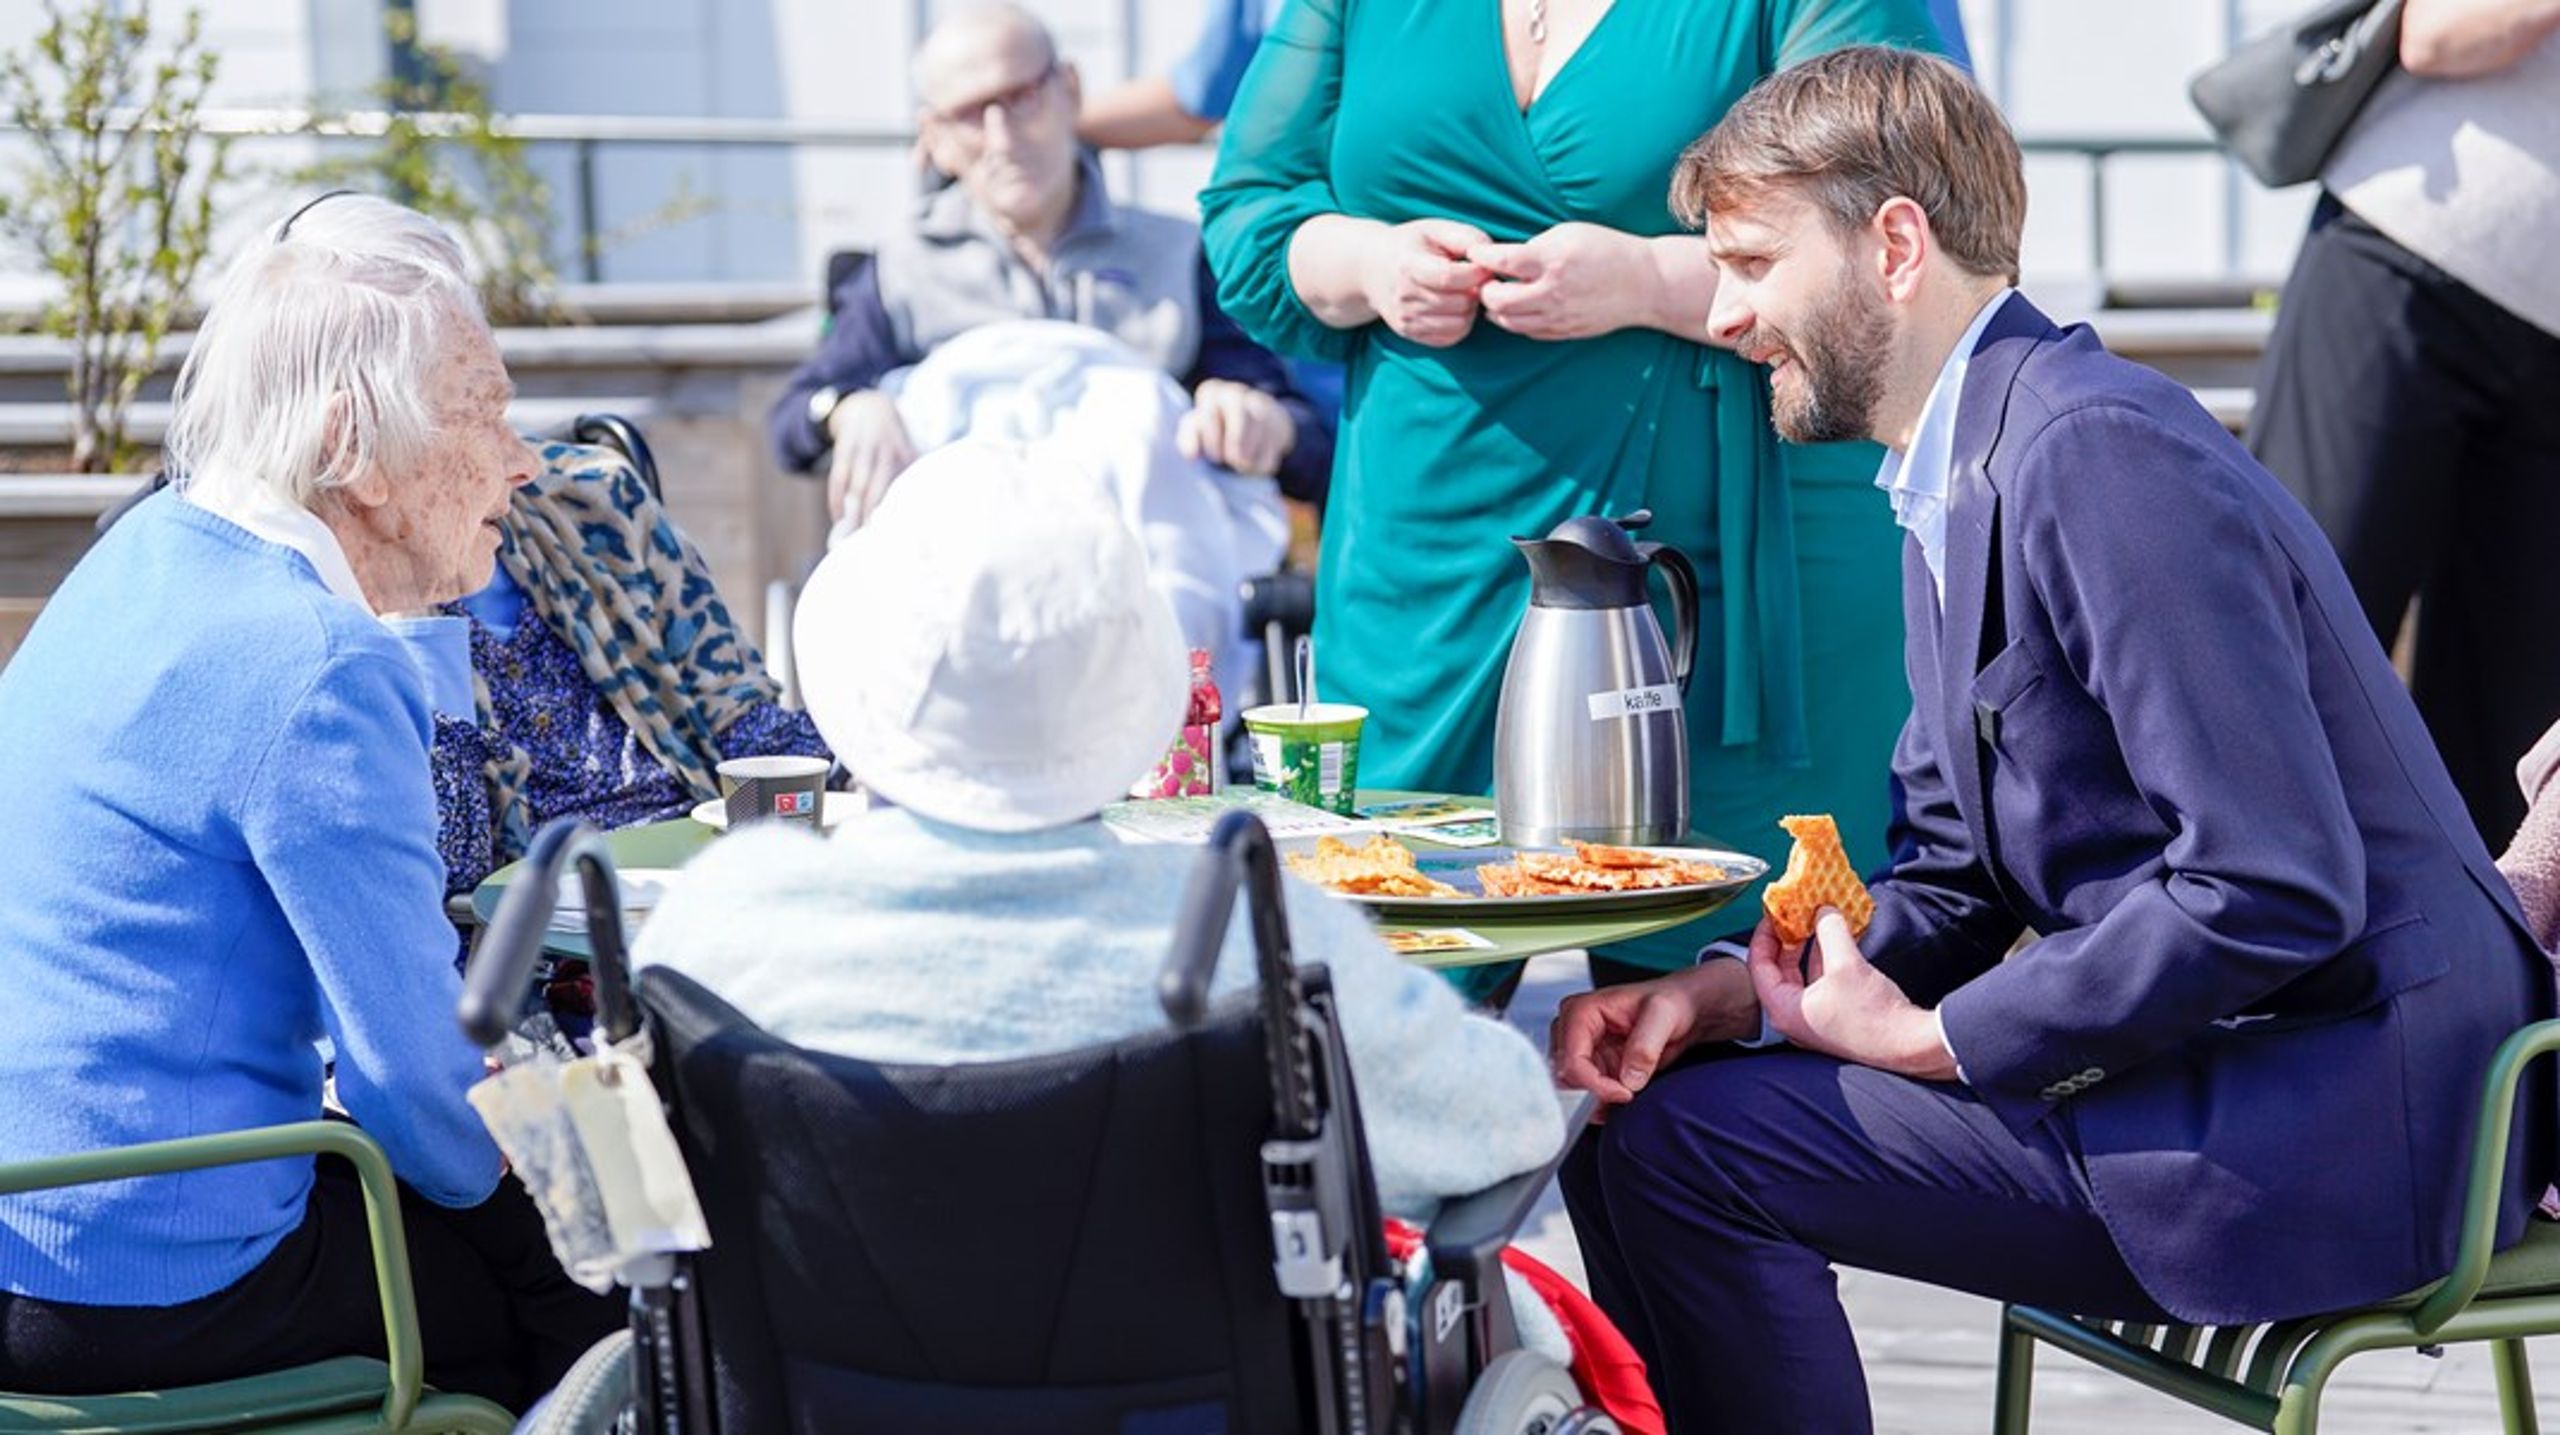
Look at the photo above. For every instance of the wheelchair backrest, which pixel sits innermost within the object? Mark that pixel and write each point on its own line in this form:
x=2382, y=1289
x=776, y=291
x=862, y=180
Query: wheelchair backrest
x=1063, y=1244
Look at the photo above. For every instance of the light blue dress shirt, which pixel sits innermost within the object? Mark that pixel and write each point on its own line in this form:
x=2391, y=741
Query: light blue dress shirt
x=1916, y=478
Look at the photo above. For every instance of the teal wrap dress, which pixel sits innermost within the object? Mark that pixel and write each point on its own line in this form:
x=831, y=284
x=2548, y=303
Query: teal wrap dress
x=1403, y=109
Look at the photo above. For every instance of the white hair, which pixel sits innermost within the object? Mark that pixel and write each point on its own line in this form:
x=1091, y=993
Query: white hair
x=311, y=366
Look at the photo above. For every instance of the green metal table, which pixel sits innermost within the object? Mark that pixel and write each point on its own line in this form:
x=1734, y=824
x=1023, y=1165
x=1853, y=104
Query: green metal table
x=673, y=843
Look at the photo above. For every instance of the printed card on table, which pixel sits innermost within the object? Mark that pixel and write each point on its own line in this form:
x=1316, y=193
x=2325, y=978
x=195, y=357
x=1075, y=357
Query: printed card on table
x=1420, y=941
x=1424, y=811
x=1448, y=821
x=1472, y=832
x=1191, y=819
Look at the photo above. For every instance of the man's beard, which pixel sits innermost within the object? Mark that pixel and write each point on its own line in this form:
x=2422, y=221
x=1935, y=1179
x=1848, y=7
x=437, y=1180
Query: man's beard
x=1839, y=368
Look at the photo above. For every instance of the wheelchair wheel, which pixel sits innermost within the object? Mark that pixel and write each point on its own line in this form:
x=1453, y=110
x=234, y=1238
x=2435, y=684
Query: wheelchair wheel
x=592, y=1398
x=1524, y=1393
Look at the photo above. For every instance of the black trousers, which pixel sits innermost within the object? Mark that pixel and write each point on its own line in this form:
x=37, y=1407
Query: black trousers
x=496, y=1316
x=2420, y=424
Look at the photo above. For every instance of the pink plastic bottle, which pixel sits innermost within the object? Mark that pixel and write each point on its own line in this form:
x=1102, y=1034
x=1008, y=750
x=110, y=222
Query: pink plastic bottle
x=1189, y=767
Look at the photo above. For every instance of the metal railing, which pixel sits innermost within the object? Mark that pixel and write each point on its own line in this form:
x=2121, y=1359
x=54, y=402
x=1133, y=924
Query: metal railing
x=586, y=136
x=2098, y=150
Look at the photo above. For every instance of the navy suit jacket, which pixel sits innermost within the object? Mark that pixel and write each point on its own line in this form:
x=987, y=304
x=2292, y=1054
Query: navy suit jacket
x=2152, y=725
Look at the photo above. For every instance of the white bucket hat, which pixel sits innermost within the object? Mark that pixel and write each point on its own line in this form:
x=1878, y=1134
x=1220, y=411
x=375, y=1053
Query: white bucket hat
x=986, y=650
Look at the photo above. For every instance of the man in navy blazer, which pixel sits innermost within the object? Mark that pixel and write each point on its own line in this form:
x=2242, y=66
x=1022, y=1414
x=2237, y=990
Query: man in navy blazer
x=2232, y=1077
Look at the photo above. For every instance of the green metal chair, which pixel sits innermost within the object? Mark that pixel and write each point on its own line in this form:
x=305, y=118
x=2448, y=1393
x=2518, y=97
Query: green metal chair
x=2271, y=1377
x=348, y=1396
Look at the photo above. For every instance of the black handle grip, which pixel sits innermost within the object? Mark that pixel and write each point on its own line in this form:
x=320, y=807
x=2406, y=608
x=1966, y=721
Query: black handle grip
x=1241, y=854
x=1684, y=607
x=493, y=989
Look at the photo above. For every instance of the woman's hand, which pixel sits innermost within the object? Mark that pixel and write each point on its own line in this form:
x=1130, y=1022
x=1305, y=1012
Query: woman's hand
x=1571, y=282
x=1418, y=279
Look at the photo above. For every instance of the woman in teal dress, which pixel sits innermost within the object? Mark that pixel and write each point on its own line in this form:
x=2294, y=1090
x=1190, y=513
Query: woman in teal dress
x=1465, y=201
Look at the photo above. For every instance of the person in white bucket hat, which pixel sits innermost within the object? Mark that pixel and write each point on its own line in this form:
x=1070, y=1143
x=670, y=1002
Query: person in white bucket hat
x=994, y=658
x=986, y=654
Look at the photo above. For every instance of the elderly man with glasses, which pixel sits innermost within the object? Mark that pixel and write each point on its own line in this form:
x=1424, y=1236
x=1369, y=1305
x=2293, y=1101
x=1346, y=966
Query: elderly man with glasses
x=1026, y=231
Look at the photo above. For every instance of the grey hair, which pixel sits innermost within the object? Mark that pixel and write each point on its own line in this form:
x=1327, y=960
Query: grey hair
x=311, y=365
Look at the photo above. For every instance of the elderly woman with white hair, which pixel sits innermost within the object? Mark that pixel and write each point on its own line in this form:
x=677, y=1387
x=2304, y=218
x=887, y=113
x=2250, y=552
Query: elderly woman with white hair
x=221, y=749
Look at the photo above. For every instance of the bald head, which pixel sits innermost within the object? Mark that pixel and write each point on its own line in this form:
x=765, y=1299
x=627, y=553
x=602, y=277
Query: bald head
x=978, y=41
x=998, y=114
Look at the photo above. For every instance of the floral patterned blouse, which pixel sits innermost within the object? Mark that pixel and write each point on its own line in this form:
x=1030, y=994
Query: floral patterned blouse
x=586, y=762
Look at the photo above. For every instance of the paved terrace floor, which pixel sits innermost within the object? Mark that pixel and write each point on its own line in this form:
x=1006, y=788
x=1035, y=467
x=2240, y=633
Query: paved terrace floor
x=1929, y=1351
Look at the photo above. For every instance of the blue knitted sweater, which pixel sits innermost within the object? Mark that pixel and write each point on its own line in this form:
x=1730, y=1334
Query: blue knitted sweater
x=224, y=851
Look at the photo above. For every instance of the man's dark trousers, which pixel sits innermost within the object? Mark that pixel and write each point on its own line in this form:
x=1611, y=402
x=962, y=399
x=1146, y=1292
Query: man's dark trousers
x=1737, y=1180
x=2416, y=419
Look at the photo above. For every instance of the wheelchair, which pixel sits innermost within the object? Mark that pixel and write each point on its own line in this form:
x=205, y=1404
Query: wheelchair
x=1175, y=1232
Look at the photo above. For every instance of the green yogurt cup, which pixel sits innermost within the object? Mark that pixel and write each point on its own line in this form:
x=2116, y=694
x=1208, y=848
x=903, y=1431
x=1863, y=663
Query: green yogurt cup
x=1314, y=758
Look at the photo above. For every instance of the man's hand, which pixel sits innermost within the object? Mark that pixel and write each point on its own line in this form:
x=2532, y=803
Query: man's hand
x=1610, y=1042
x=1571, y=282
x=1835, y=1003
x=1417, y=276
x=1238, y=426
x=871, y=449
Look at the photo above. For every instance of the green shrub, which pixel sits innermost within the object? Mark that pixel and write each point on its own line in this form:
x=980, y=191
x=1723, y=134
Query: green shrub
x=118, y=203
x=442, y=153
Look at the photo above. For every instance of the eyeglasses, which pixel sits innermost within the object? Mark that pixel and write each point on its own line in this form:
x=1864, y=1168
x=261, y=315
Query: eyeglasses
x=1019, y=102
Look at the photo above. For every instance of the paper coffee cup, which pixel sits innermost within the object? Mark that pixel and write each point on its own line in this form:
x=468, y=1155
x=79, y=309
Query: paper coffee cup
x=1314, y=758
x=774, y=789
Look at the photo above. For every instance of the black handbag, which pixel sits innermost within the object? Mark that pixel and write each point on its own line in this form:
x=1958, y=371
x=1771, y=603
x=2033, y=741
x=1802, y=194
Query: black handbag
x=2281, y=101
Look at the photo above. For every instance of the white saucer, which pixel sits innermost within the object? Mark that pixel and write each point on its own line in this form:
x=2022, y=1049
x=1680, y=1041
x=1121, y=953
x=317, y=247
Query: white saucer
x=641, y=889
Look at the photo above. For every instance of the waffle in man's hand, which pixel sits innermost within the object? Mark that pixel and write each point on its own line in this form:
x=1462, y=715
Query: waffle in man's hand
x=1818, y=875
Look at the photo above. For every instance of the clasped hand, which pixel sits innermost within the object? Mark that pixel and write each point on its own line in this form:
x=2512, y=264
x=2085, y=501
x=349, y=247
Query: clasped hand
x=1571, y=282
x=1418, y=279
x=1826, y=998
x=1230, y=423
x=1428, y=279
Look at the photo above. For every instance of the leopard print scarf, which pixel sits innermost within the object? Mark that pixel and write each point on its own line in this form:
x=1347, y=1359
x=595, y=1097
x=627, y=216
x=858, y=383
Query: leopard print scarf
x=600, y=562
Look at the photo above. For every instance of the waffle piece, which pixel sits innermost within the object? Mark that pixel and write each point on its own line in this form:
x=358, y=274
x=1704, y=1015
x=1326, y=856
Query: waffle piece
x=1581, y=874
x=1382, y=867
x=1591, y=867
x=1509, y=879
x=1650, y=869
x=1818, y=875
